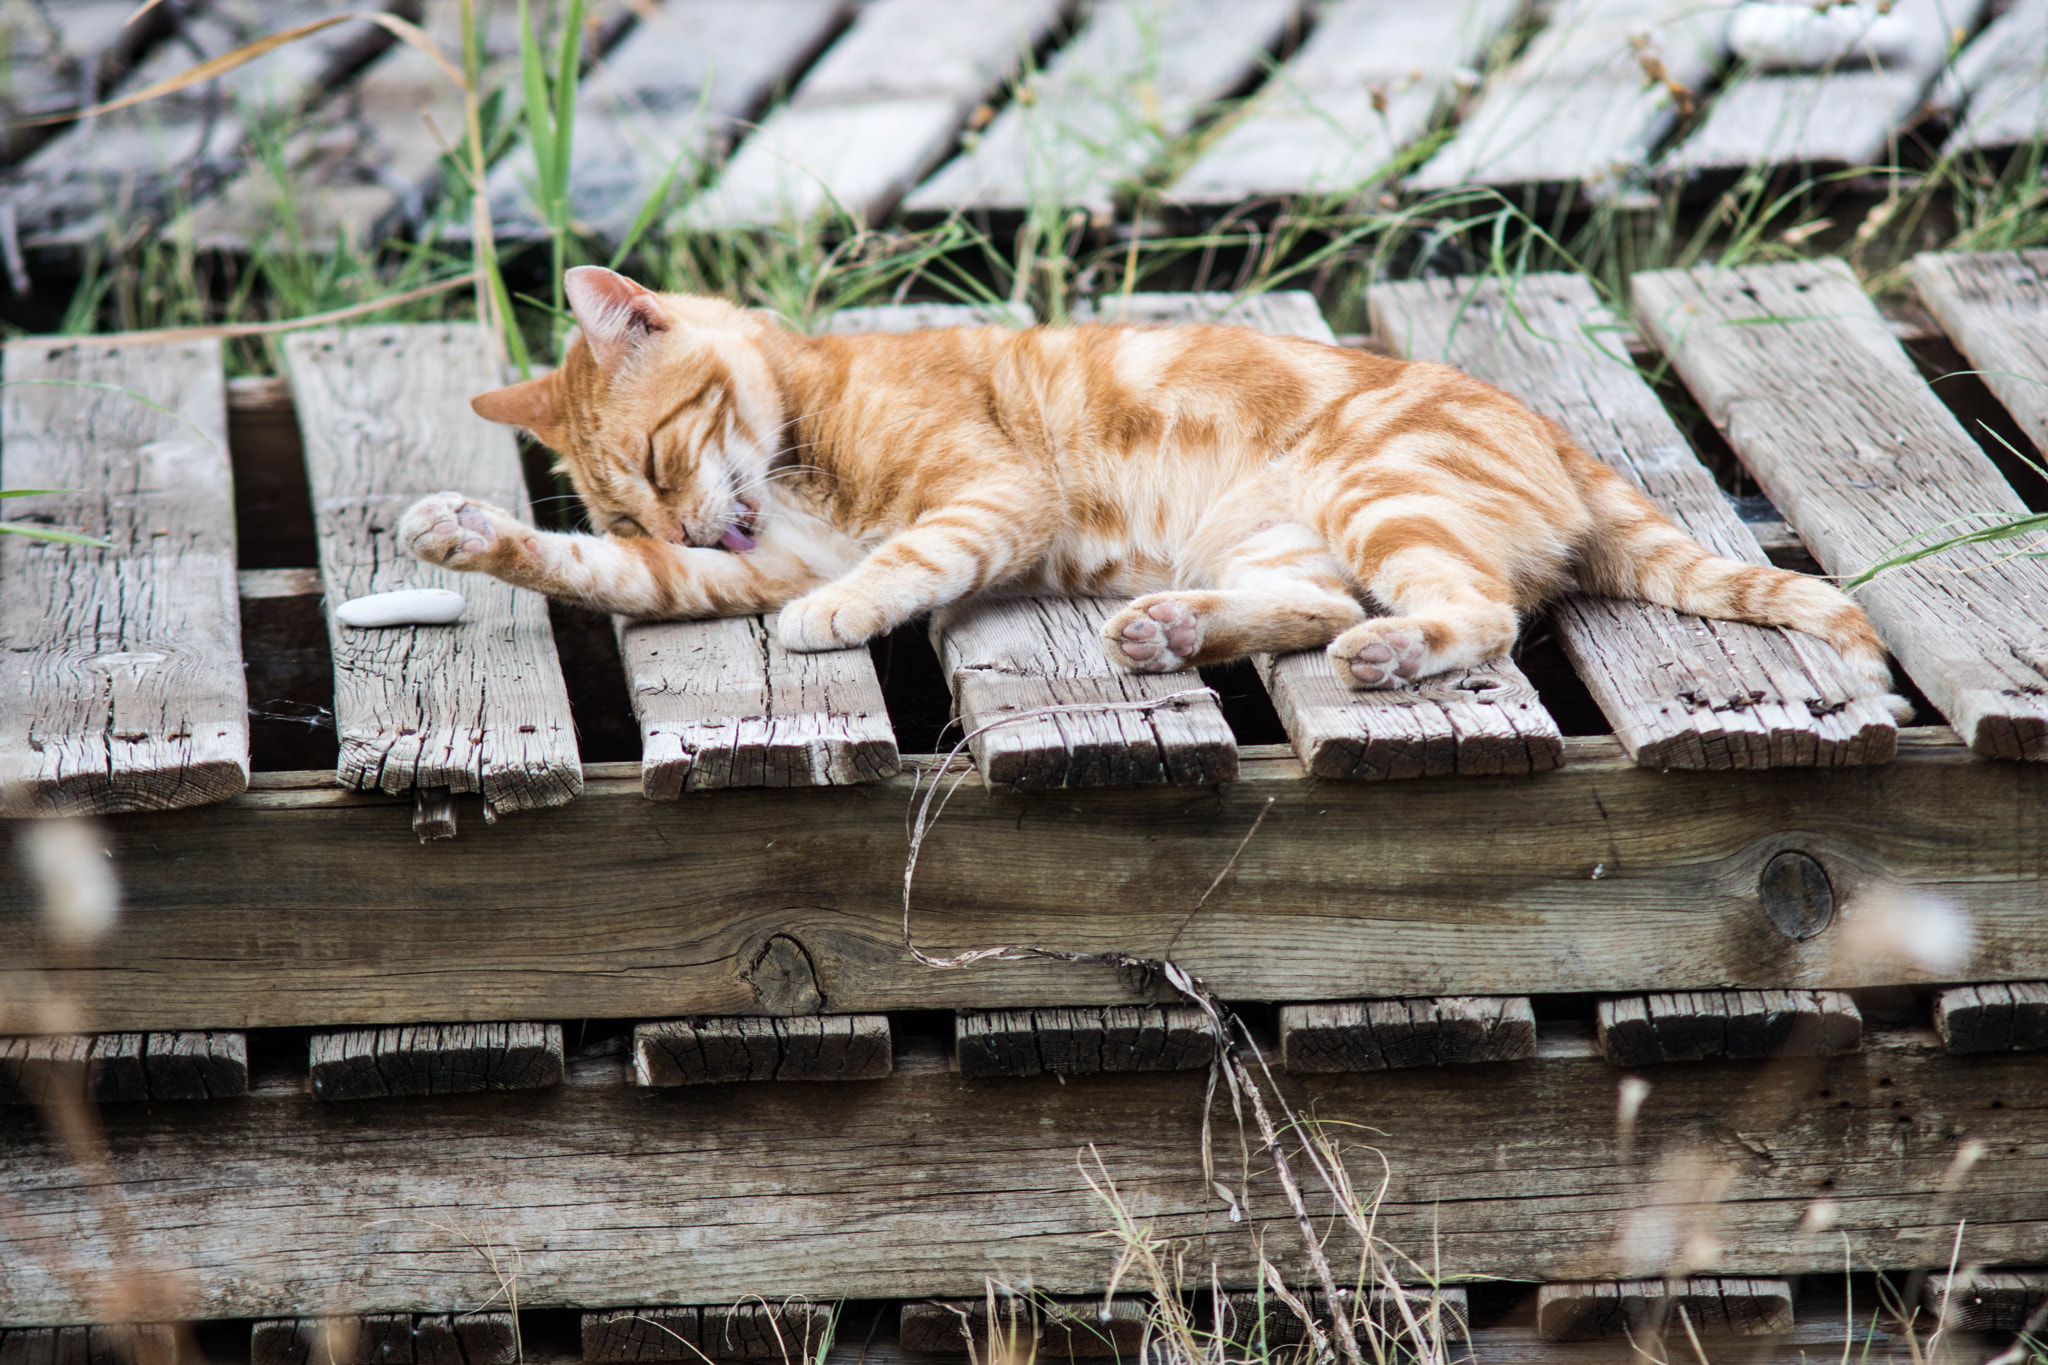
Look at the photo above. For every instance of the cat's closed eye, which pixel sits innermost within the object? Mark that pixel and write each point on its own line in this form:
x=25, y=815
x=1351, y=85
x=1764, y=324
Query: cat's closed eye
x=623, y=526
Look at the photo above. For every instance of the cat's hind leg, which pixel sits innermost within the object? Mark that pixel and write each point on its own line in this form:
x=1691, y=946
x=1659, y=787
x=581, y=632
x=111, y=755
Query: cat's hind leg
x=1448, y=611
x=1278, y=590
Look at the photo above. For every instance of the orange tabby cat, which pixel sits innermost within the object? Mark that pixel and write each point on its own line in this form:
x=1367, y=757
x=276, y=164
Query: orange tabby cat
x=1247, y=491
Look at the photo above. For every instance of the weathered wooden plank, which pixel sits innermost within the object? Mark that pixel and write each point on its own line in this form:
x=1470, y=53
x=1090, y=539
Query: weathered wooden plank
x=1610, y=71
x=2000, y=83
x=819, y=1047
x=98, y=1344
x=1694, y=1026
x=1829, y=414
x=123, y=689
x=479, y=706
x=786, y=1331
x=1251, y=1317
x=1371, y=78
x=434, y=1059
x=111, y=1068
x=61, y=57
x=1994, y=306
x=1601, y=877
x=1485, y=720
x=1083, y=1041
x=468, y=1338
x=899, y=1200
x=1041, y=705
x=1712, y=1306
x=1378, y=1035
x=1987, y=1300
x=1848, y=115
x=1680, y=691
x=1038, y=1327
x=879, y=110
x=1996, y=1017
x=1113, y=101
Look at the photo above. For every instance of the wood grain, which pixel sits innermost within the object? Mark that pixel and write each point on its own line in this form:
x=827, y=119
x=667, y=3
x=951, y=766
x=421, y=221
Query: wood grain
x=1379, y=1035
x=1601, y=877
x=1995, y=1017
x=1083, y=1041
x=470, y=1338
x=611, y=1178
x=1694, y=1026
x=113, y=1068
x=434, y=1059
x=1680, y=691
x=1712, y=1306
x=479, y=706
x=784, y=1331
x=1987, y=1300
x=1239, y=1318
x=98, y=1344
x=821, y=1047
x=2000, y=83
x=123, y=687
x=1796, y=367
x=1041, y=1328
x=1994, y=306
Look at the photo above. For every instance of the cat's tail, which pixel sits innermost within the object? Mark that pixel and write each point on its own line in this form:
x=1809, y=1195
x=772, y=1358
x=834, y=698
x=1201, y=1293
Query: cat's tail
x=1635, y=551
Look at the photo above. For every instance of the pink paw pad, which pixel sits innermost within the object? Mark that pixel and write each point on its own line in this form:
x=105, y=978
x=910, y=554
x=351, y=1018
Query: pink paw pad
x=1396, y=655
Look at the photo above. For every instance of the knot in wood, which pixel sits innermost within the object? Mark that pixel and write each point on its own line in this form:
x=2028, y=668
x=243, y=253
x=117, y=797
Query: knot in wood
x=1797, y=894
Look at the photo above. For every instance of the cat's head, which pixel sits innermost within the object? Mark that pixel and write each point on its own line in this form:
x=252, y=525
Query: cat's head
x=663, y=412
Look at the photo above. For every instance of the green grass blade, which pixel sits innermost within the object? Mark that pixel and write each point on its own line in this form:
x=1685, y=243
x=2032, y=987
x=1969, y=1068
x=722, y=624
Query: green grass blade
x=15, y=528
x=533, y=77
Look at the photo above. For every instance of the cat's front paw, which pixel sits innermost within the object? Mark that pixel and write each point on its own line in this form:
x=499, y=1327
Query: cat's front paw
x=828, y=619
x=452, y=531
x=1383, y=653
x=1161, y=633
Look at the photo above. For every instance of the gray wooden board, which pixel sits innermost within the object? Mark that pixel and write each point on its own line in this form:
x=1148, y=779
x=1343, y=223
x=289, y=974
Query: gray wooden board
x=1828, y=412
x=1987, y=1300
x=1113, y=101
x=670, y=96
x=1713, y=1306
x=100, y=175
x=1484, y=720
x=122, y=685
x=434, y=1059
x=64, y=57
x=1379, y=1035
x=466, y=1338
x=1999, y=83
x=1586, y=71
x=616, y=1196
x=1995, y=1017
x=818, y=1047
x=783, y=1331
x=1848, y=115
x=1680, y=691
x=112, y=1068
x=98, y=1344
x=479, y=706
x=1370, y=79
x=1692, y=1026
x=1083, y=1040
x=1037, y=1328
x=1994, y=306
x=878, y=111
x=1442, y=1312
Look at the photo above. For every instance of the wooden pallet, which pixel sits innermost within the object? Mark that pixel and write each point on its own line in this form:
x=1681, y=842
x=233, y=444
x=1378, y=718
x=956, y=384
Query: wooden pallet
x=1994, y=92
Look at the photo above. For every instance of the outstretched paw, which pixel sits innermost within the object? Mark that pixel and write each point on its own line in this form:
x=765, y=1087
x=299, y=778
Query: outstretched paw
x=1382, y=653
x=828, y=619
x=1161, y=633
x=450, y=530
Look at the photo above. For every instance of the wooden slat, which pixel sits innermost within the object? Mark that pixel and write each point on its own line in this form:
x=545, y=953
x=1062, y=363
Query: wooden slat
x=597, y=1183
x=787, y=1331
x=1486, y=720
x=1645, y=1030
x=2000, y=84
x=821, y=1047
x=1371, y=78
x=1797, y=368
x=1083, y=1041
x=1586, y=71
x=434, y=1059
x=1712, y=1306
x=123, y=1067
x=125, y=1344
x=475, y=707
x=1036, y=1328
x=1849, y=115
x=1679, y=690
x=468, y=1338
x=878, y=111
x=1081, y=132
x=1378, y=1035
x=1996, y=1017
x=1443, y=1312
x=672, y=95
x=1601, y=877
x=123, y=686
x=1994, y=306
x=61, y=56
x=1986, y=1300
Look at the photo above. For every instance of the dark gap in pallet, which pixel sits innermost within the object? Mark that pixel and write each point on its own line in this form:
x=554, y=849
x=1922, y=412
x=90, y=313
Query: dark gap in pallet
x=1574, y=1007
x=1923, y=709
x=599, y=703
x=224, y=1341
x=1495, y=1303
x=914, y=688
x=273, y=502
x=277, y=1057
x=921, y=1028
x=289, y=669
x=1246, y=707
x=1949, y=374
x=1557, y=685
x=1894, y=1006
x=590, y=1038
x=551, y=1333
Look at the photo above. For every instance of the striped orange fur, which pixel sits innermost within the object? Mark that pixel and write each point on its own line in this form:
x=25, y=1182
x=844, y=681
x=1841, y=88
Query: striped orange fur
x=1249, y=493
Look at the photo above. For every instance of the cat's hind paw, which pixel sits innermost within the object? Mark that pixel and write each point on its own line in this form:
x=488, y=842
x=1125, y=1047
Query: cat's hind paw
x=450, y=530
x=1161, y=633
x=1382, y=653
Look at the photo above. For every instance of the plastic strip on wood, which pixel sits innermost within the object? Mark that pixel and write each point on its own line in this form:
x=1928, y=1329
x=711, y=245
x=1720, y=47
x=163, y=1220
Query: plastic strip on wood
x=479, y=706
x=1828, y=412
x=123, y=687
x=1680, y=691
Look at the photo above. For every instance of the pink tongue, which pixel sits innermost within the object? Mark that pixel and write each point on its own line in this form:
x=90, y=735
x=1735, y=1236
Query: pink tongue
x=736, y=540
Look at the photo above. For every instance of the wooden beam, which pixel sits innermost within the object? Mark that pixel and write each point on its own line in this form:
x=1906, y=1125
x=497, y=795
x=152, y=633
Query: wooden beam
x=123, y=688
x=478, y=706
x=1079, y=1042
x=387, y=1339
x=826, y=1047
x=1037, y=1327
x=1679, y=690
x=1986, y=1301
x=1998, y=1016
x=1378, y=1035
x=114, y=1068
x=434, y=1059
x=122, y=1344
x=1998, y=81
x=1712, y=1306
x=1694, y=1026
x=1797, y=368
x=786, y=1331
x=885, y=1188
x=1600, y=877
x=1442, y=1312
x=1994, y=305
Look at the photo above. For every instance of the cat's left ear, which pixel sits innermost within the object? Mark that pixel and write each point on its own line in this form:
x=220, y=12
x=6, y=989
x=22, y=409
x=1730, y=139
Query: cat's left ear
x=535, y=405
x=615, y=313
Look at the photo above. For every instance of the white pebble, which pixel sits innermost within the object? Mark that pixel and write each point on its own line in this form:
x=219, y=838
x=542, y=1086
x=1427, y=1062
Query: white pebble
x=409, y=607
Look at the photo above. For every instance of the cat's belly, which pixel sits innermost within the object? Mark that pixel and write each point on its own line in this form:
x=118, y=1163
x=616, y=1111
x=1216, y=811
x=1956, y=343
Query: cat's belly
x=1093, y=566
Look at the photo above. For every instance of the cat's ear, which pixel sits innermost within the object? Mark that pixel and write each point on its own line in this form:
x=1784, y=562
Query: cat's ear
x=615, y=314
x=535, y=405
